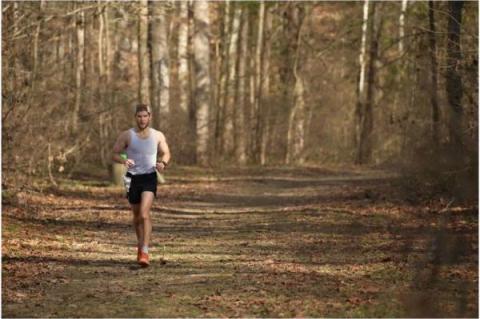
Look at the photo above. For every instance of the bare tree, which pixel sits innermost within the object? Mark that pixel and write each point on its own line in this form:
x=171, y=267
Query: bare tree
x=263, y=131
x=454, y=86
x=433, y=73
x=297, y=116
x=160, y=64
x=222, y=81
x=228, y=132
x=240, y=105
x=255, y=118
x=201, y=48
x=143, y=56
x=79, y=68
x=183, y=57
x=364, y=108
x=402, y=25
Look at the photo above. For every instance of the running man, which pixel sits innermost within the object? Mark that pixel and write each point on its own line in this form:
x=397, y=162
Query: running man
x=142, y=144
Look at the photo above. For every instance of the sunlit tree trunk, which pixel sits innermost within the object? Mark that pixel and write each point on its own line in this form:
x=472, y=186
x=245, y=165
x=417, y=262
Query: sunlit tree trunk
x=79, y=67
x=143, y=56
x=103, y=81
x=454, y=86
x=296, y=127
x=366, y=128
x=361, y=93
x=240, y=105
x=255, y=118
x=90, y=75
x=160, y=65
x=293, y=23
x=228, y=138
x=183, y=57
x=263, y=108
x=402, y=25
x=201, y=50
x=36, y=56
x=222, y=83
x=297, y=116
x=433, y=74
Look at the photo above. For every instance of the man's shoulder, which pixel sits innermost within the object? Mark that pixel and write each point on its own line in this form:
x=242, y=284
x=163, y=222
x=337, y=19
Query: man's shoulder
x=158, y=133
x=125, y=132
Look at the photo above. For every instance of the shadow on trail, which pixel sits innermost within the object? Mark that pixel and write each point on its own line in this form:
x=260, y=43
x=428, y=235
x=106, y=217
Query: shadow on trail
x=67, y=261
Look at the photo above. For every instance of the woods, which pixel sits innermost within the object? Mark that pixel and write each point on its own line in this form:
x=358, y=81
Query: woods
x=259, y=84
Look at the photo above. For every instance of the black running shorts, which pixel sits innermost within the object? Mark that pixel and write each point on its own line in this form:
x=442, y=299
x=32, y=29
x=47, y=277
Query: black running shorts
x=139, y=184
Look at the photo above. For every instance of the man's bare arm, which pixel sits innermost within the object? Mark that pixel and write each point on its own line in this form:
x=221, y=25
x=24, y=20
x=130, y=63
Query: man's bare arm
x=164, y=152
x=119, y=148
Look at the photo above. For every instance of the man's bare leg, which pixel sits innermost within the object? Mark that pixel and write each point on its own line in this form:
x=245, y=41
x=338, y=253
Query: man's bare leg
x=137, y=224
x=145, y=206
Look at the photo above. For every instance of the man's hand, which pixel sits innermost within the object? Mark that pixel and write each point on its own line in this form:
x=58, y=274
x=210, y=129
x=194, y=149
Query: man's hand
x=129, y=163
x=160, y=166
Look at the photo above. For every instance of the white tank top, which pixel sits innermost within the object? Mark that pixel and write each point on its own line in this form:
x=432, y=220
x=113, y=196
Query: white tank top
x=143, y=152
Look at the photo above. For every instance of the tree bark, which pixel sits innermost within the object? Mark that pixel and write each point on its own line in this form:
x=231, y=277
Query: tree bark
x=79, y=68
x=36, y=56
x=258, y=77
x=222, y=95
x=433, y=74
x=296, y=119
x=183, y=57
x=263, y=108
x=402, y=25
x=160, y=65
x=364, y=113
x=454, y=85
x=240, y=105
x=228, y=133
x=143, y=56
x=202, y=78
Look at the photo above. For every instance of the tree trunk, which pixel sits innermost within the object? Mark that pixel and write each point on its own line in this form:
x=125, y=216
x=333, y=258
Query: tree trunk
x=454, y=86
x=228, y=133
x=296, y=127
x=402, y=25
x=79, y=67
x=102, y=84
x=255, y=118
x=222, y=95
x=36, y=56
x=295, y=100
x=240, y=105
x=362, y=60
x=160, y=65
x=263, y=108
x=364, y=120
x=296, y=119
x=202, y=78
x=183, y=57
x=433, y=74
x=143, y=56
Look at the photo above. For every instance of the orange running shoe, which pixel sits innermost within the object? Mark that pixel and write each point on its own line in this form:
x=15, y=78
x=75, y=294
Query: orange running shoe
x=143, y=260
x=139, y=254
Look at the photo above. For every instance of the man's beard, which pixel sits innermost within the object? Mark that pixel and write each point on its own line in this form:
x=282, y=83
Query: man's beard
x=145, y=127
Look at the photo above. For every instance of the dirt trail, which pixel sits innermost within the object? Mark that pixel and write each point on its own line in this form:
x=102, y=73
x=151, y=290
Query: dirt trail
x=280, y=243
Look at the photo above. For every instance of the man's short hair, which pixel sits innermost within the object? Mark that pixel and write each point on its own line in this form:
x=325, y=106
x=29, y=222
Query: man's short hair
x=141, y=108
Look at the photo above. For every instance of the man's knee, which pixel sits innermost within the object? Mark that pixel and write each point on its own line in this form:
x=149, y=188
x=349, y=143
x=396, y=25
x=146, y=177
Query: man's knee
x=137, y=218
x=144, y=214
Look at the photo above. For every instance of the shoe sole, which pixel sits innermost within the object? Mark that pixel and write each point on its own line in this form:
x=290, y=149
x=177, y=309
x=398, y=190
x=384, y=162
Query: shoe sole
x=144, y=264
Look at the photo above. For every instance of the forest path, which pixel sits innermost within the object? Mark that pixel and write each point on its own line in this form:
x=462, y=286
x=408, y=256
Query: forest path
x=252, y=242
